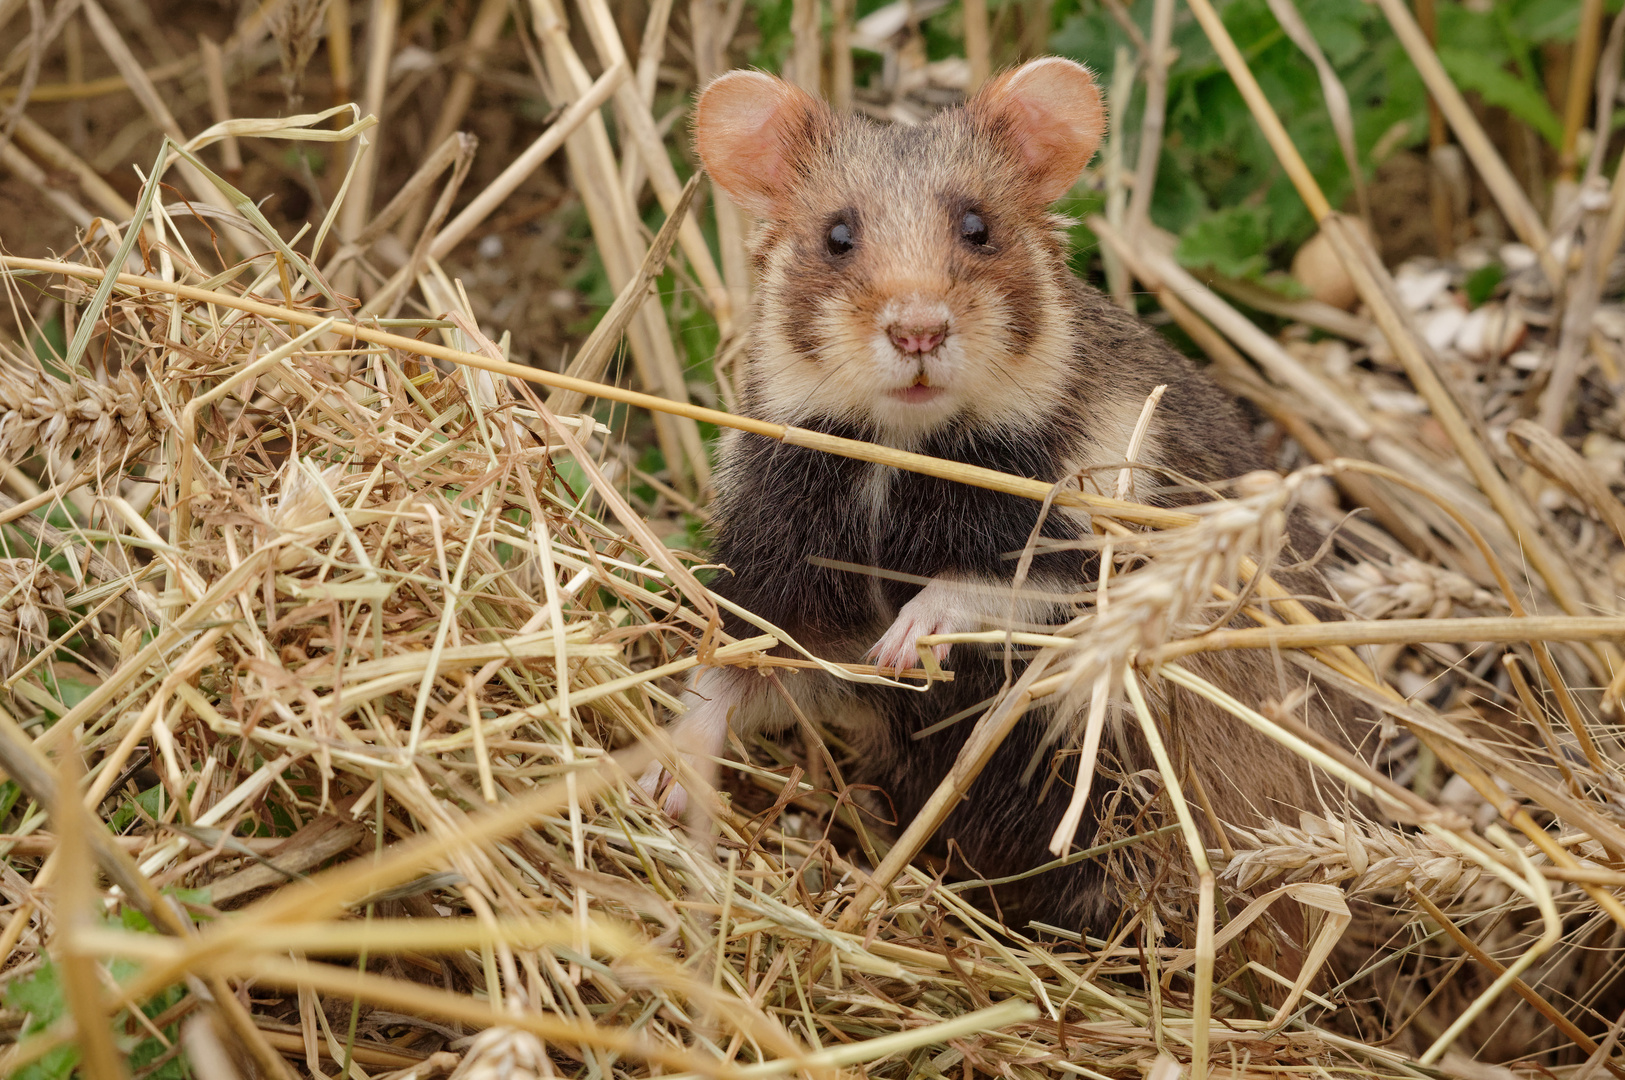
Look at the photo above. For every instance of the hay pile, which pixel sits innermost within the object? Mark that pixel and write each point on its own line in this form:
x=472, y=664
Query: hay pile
x=329, y=647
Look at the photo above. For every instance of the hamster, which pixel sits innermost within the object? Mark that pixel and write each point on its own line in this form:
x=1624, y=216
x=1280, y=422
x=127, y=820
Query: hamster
x=914, y=291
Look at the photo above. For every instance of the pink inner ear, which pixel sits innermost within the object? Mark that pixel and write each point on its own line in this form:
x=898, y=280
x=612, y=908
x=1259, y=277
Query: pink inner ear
x=747, y=128
x=1053, y=110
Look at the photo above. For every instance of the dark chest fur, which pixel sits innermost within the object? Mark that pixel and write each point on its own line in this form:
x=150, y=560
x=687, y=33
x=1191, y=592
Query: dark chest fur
x=788, y=512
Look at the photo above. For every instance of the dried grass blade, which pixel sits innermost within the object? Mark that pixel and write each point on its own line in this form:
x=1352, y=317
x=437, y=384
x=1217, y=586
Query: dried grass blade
x=1556, y=460
x=638, y=127
x=1582, y=65
x=482, y=205
x=596, y=351
x=25, y=763
x=22, y=166
x=1205, y=945
x=1552, y=932
x=1420, y=366
x=91, y=315
x=214, y=78
x=1337, y=98
x=454, y=148
x=344, y=982
x=483, y=32
x=1523, y=989
x=1157, y=59
x=1067, y=831
x=977, y=49
x=37, y=139
x=619, y=235
x=147, y=94
x=1520, y=214
x=985, y=738
x=1244, y=332
x=853, y=448
x=383, y=19
x=1374, y=286
x=1501, y=629
x=74, y=910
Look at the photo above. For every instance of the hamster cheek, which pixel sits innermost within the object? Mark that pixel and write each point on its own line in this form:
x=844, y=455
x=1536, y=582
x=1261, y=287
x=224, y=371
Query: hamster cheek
x=942, y=607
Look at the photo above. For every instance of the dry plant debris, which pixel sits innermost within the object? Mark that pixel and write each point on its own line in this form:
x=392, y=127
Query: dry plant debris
x=329, y=645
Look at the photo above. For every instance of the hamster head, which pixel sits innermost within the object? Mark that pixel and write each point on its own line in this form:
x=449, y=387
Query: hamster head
x=909, y=277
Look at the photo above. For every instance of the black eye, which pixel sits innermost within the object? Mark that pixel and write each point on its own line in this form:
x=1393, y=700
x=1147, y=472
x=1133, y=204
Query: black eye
x=839, y=239
x=972, y=229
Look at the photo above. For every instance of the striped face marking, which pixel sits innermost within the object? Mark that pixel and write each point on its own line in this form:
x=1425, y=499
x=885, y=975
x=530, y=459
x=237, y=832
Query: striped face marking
x=932, y=308
x=911, y=277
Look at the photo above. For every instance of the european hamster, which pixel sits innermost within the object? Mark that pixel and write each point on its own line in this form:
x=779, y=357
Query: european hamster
x=913, y=290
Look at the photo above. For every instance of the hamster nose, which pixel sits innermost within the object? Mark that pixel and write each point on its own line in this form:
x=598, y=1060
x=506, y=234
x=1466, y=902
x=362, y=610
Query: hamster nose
x=917, y=339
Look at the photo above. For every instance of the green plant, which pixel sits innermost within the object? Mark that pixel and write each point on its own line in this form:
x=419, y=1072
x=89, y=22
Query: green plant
x=40, y=999
x=1219, y=186
x=1495, y=52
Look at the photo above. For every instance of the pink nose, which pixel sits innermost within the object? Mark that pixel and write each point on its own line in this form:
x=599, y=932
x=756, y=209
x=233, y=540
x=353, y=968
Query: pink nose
x=917, y=339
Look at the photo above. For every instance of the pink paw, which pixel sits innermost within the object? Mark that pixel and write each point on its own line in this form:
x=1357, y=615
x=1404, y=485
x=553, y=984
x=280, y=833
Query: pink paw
x=936, y=609
x=897, y=650
x=698, y=736
x=657, y=777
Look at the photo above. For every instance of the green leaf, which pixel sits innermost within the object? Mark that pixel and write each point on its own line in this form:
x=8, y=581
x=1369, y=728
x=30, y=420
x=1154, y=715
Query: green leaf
x=1338, y=28
x=58, y=1064
x=40, y=996
x=150, y=800
x=1547, y=20
x=71, y=691
x=9, y=794
x=1498, y=86
x=1230, y=242
x=1481, y=283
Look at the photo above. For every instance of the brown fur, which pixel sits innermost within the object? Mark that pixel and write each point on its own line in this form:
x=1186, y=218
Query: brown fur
x=1038, y=375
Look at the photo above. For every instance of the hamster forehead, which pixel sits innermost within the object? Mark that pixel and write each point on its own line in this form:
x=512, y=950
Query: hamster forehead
x=903, y=180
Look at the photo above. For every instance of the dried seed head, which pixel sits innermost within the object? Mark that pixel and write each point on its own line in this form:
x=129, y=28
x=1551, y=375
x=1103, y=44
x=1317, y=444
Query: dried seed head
x=1361, y=856
x=1408, y=588
x=41, y=413
x=1149, y=604
x=504, y=1053
x=29, y=590
x=300, y=502
x=297, y=28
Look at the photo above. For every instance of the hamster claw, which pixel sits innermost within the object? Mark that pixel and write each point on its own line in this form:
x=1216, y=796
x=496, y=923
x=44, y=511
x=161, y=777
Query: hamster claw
x=897, y=650
x=656, y=777
x=939, y=608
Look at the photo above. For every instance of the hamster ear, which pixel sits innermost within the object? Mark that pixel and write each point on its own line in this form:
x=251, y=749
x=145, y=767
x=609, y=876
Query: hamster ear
x=1052, y=110
x=749, y=129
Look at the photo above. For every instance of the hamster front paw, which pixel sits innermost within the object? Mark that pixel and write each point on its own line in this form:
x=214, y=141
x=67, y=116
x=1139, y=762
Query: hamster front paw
x=699, y=736
x=939, y=608
x=655, y=778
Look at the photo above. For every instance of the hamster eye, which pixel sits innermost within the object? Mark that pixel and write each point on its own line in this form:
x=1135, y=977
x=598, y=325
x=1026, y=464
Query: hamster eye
x=839, y=239
x=972, y=229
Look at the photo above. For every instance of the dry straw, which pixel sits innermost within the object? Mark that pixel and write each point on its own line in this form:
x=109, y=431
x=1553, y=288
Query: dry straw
x=384, y=634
